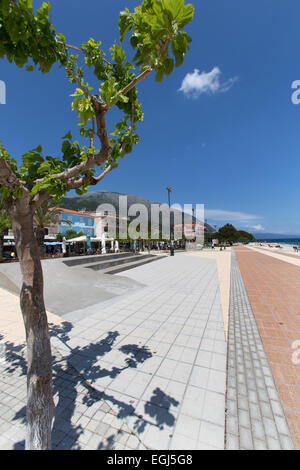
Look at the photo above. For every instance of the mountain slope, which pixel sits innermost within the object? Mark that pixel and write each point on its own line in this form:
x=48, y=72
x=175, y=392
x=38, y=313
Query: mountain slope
x=90, y=201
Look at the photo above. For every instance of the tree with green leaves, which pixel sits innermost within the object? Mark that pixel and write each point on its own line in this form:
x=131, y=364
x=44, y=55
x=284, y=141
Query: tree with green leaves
x=228, y=233
x=44, y=216
x=245, y=237
x=4, y=225
x=70, y=233
x=27, y=38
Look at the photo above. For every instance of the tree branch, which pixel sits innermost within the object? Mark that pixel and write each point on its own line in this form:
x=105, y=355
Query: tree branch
x=69, y=176
x=136, y=80
x=82, y=88
x=91, y=180
x=104, y=173
x=39, y=199
x=76, y=170
x=134, y=83
x=92, y=139
x=79, y=49
x=8, y=178
x=100, y=110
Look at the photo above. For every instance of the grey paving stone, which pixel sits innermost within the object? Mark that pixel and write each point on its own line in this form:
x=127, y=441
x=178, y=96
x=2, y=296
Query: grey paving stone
x=259, y=445
x=259, y=421
x=212, y=434
x=258, y=430
x=246, y=441
x=232, y=425
x=232, y=442
x=244, y=419
x=266, y=410
x=281, y=425
x=286, y=443
x=270, y=428
x=273, y=443
x=231, y=407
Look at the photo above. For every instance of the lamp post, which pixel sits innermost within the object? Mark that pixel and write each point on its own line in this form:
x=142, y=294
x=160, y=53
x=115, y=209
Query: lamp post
x=169, y=200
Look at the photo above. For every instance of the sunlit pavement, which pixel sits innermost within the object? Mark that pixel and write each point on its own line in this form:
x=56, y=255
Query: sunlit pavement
x=273, y=284
x=156, y=358
x=148, y=369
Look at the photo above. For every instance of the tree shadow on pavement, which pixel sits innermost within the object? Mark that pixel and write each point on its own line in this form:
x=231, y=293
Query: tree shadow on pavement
x=74, y=393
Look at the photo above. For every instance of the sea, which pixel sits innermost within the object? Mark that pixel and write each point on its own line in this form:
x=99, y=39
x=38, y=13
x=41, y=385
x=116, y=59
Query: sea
x=282, y=241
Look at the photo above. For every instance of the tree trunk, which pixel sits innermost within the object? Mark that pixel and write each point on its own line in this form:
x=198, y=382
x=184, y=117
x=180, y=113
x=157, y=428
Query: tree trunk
x=1, y=244
x=40, y=237
x=40, y=406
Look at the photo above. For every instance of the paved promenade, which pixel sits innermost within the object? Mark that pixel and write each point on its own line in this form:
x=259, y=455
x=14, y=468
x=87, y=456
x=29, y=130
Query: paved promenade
x=149, y=369
x=159, y=355
x=273, y=287
x=255, y=419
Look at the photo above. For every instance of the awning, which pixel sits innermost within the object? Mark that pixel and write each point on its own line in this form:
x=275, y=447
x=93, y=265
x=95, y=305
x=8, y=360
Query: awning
x=93, y=239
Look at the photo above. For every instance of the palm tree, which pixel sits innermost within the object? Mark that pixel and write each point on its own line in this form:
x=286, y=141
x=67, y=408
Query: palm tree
x=43, y=217
x=4, y=225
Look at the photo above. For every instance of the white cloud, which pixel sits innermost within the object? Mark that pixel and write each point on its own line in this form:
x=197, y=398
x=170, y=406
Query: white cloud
x=258, y=227
x=196, y=83
x=220, y=214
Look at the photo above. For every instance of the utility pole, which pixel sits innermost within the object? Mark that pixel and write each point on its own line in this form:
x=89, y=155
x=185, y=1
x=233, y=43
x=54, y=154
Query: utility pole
x=169, y=199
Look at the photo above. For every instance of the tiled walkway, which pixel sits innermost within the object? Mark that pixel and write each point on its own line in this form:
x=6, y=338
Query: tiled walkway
x=159, y=355
x=273, y=288
x=147, y=370
x=254, y=419
x=144, y=370
x=284, y=253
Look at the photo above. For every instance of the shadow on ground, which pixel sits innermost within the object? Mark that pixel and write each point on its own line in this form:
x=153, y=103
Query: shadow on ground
x=74, y=393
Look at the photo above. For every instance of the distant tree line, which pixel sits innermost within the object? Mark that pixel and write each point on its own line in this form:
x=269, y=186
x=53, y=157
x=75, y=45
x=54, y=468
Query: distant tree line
x=228, y=233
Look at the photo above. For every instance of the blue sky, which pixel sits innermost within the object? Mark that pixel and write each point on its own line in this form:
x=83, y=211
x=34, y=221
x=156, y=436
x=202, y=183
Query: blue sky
x=227, y=135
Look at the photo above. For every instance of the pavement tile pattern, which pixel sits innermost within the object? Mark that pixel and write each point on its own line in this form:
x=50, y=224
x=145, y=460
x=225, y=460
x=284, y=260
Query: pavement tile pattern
x=143, y=371
x=273, y=288
x=278, y=251
x=255, y=419
x=83, y=421
x=158, y=356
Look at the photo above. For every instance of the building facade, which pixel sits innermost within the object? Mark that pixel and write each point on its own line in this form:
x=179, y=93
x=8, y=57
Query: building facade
x=78, y=221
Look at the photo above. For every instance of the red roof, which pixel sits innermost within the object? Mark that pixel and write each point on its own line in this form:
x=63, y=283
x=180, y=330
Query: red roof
x=69, y=211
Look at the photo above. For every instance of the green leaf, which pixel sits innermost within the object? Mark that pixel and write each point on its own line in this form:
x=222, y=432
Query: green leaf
x=117, y=53
x=61, y=37
x=125, y=23
x=159, y=75
x=175, y=7
x=68, y=136
x=78, y=92
x=186, y=16
x=169, y=66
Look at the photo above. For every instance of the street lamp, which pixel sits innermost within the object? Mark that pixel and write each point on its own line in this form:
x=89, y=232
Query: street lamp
x=169, y=199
